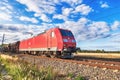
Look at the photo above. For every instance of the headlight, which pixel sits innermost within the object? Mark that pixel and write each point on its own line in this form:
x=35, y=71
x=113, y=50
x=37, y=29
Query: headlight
x=65, y=40
x=73, y=41
x=65, y=45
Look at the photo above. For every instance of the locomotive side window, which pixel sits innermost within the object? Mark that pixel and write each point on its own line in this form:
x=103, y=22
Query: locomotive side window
x=52, y=34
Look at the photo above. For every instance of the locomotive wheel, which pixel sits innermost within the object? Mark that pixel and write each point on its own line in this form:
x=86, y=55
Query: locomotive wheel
x=58, y=54
x=53, y=56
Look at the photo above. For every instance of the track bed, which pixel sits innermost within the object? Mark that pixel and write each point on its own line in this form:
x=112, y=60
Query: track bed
x=77, y=67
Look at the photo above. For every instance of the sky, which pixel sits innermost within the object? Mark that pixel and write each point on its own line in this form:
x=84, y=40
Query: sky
x=94, y=23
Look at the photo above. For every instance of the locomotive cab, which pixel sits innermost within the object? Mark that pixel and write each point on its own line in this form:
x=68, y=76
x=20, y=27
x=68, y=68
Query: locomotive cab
x=69, y=43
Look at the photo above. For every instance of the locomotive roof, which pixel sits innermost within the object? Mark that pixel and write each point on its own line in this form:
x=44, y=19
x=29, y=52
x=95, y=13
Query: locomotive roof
x=41, y=33
x=46, y=31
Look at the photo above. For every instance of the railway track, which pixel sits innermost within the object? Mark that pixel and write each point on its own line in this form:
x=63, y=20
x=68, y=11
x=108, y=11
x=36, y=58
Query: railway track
x=94, y=63
x=90, y=69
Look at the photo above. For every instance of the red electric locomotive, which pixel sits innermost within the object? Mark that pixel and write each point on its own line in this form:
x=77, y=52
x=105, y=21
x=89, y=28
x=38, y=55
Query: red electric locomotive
x=54, y=42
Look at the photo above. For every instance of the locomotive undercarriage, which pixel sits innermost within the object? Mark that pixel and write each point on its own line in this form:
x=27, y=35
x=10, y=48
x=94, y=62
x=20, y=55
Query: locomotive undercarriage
x=52, y=54
x=65, y=53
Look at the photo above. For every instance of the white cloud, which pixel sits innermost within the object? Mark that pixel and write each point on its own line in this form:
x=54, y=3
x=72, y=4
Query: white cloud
x=39, y=7
x=16, y=32
x=78, y=28
x=99, y=27
x=115, y=25
x=98, y=30
x=44, y=18
x=24, y=18
x=5, y=5
x=31, y=5
x=83, y=9
x=85, y=29
x=115, y=37
x=8, y=6
x=12, y=32
x=42, y=7
x=47, y=6
x=5, y=11
x=59, y=16
x=4, y=16
x=66, y=11
x=73, y=2
x=104, y=5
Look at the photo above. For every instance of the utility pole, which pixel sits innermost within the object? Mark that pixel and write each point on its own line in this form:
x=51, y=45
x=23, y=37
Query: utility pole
x=3, y=39
x=2, y=42
x=2, y=47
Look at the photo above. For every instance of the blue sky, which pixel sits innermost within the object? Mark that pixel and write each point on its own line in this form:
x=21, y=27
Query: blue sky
x=94, y=23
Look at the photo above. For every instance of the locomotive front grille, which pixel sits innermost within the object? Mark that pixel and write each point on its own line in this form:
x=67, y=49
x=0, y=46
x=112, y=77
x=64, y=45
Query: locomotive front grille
x=70, y=49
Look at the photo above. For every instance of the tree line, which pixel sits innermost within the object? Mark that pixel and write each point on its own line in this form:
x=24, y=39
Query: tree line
x=96, y=51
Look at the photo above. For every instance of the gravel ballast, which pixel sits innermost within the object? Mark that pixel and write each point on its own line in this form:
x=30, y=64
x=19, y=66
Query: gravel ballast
x=86, y=71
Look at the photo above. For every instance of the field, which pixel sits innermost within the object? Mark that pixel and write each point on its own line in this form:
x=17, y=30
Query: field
x=100, y=55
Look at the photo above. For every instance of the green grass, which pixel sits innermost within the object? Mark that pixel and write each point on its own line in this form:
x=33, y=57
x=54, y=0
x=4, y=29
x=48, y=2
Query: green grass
x=25, y=71
x=19, y=70
x=71, y=75
x=79, y=78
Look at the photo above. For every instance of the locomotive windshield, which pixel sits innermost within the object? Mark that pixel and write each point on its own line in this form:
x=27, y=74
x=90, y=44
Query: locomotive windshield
x=66, y=33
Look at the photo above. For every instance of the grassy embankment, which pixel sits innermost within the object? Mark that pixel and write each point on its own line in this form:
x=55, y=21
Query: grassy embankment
x=12, y=69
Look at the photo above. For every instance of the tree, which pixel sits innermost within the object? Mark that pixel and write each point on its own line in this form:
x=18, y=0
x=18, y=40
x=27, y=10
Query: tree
x=78, y=49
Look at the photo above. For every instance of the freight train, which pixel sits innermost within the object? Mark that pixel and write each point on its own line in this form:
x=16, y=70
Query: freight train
x=55, y=42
